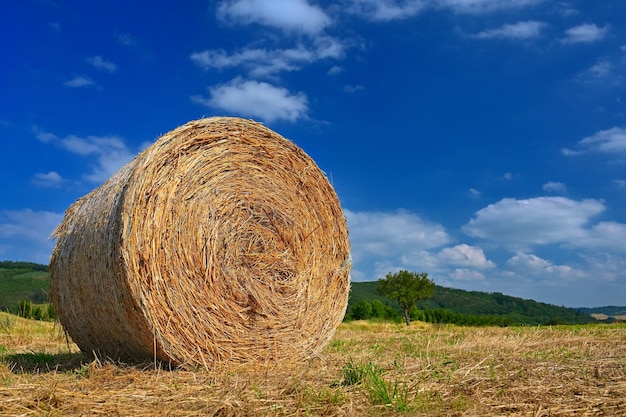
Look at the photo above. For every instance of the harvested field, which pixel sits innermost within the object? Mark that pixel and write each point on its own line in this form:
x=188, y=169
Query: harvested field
x=367, y=369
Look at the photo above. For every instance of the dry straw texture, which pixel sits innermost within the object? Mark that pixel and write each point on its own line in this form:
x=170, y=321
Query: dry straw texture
x=222, y=242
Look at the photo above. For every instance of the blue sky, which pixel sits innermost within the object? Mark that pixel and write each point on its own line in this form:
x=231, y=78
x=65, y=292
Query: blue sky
x=481, y=141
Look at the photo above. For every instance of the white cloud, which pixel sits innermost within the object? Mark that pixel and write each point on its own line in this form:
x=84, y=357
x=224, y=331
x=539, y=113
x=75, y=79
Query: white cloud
x=287, y=15
x=335, y=70
x=536, y=221
x=256, y=99
x=101, y=63
x=555, y=187
x=386, y=10
x=515, y=31
x=25, y=234
x=79, y=81
x=263, y=62
x=533, y=265
x=484, y=6
x=391, y=234
x=586, y=33
x=474, y=193
x=49, y=179
x=601, y=69
x=606, y=141
x=467, y=275
x=619, y=183
x=465, y=255
x=110, y=151
x=462, y=255
x=604, y=236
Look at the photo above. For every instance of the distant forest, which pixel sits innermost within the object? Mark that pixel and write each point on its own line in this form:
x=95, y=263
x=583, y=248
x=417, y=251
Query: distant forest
x=27, y=281
x=450, y=305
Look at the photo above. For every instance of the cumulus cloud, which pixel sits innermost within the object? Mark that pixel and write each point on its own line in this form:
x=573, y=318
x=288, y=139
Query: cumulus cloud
x=48, y=179
x=586, y=33
x=605, y=236
x=25, y=234
x=391, y=234
x=381, y=242
x=101, y=63
x=79, y=81
x=264, y=62
x=256, y=99
x=536, y=221
x=555, y=187
x=385, y=10
x=287, y=15
x=606, y=141
x=460, y=275
x=462, y=255
x=110, y=152
x=515, y=31
x=530, y=264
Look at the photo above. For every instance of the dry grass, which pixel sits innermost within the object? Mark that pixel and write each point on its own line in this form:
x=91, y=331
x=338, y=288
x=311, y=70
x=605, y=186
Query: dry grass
x=367, y=369
x=221, y=242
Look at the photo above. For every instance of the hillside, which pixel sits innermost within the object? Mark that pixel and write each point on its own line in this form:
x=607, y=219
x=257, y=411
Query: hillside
x=608, y=313
x=22, y=281
x=29, y=281
x=517, y=310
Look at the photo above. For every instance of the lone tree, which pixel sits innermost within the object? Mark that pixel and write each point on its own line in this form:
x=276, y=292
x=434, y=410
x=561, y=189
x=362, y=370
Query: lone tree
x=407, y=288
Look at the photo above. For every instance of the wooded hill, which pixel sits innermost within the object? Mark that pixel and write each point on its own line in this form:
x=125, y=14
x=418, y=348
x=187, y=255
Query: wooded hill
x=21, y=281
x=469, y=306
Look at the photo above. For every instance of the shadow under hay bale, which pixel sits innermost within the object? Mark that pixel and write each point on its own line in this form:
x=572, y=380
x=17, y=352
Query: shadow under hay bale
x=221, y=242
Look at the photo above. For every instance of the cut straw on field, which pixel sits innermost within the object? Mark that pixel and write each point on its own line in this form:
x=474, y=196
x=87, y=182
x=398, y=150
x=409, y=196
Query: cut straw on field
x=223, y=242
x=367, y=369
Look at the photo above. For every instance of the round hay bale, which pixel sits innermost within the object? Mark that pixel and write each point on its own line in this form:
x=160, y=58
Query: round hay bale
x=221, y=242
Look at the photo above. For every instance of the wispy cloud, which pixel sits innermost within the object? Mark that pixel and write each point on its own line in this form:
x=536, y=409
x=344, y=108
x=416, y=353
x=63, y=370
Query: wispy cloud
x=555, y=187
x=50, y=179
x=388, y=10
x=586, y=33
x=126, y=39
x=474, y=193
x=605, y=141
x=79, y=81
x=385, y=10
x=515, y=31
x=101, y=63
x=351, y=88
x=111, y=152
x=537, y=221
x=256, y=99
x=263, y=62
x=296, y=16
x=484, y=6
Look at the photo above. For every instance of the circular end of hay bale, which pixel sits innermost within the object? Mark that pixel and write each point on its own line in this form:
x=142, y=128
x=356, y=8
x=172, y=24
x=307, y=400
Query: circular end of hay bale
x=222, y=242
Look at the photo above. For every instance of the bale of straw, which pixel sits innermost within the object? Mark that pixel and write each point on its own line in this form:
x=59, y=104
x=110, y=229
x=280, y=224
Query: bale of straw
x=221, y=242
